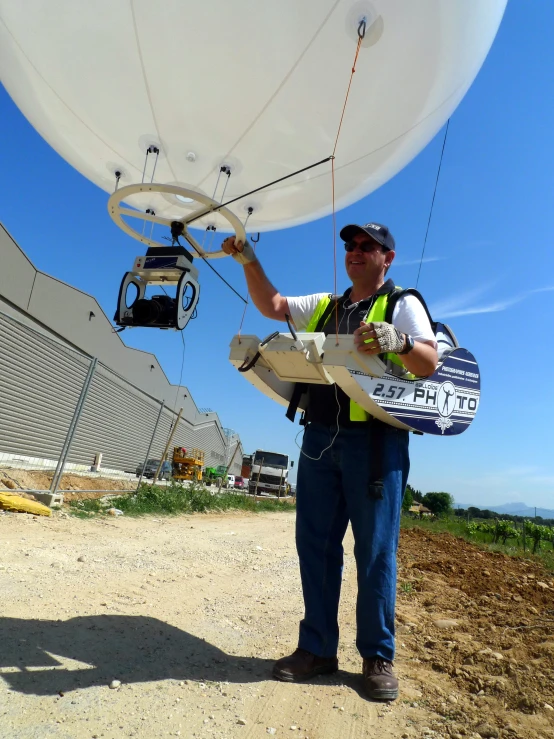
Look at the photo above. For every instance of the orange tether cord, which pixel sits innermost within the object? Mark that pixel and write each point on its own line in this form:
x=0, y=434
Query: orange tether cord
x=361, y=34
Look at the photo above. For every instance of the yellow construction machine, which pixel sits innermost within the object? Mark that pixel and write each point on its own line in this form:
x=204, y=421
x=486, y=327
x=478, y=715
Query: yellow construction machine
x=187, y=464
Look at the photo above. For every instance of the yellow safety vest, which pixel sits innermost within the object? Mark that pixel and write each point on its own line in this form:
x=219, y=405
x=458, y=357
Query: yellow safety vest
x=376, y=313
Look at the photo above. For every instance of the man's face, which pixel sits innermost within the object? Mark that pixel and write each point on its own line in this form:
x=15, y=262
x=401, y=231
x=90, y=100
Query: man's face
x=372, y=263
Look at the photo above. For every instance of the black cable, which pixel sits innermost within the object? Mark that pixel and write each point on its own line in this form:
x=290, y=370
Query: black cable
x=263, y=187
x=245, y=366
x=234, y=200
x=183, y=359
x=180, y=376
x=432, y=202
x=291, y=328
x=217, y=273
x=269, y=338
x=240, y=197
x=178, y=385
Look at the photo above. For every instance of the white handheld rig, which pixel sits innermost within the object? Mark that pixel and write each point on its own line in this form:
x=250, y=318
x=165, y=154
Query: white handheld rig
x=443, y=404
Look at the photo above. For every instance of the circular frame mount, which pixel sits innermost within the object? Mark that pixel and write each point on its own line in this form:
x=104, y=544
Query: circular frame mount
x=117, y=212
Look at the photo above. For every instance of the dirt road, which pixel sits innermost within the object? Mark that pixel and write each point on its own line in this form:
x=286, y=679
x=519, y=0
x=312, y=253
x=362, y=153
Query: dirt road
x=189, y=613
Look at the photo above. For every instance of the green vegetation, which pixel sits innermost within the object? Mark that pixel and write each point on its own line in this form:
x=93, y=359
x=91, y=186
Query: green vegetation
x=500, y=535
x=484, y=513
x=504, y=530
x=438, y=503
x=408, y=498
x=175, y=498
x=499, y=530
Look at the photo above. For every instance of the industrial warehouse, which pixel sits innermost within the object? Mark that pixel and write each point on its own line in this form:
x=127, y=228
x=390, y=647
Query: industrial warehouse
x=57, y=342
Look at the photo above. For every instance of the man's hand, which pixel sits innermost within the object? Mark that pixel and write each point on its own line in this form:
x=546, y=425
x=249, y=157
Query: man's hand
x=381, y=337
x=241, y=253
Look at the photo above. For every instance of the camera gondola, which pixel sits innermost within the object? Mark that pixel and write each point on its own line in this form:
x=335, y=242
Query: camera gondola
x=170, y=265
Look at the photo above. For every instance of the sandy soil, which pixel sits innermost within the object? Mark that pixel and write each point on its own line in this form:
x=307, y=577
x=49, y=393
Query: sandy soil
x=190, y=612
x=14, y=479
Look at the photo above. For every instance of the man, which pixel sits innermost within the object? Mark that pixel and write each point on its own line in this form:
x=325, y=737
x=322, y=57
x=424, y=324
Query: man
x=352, y=467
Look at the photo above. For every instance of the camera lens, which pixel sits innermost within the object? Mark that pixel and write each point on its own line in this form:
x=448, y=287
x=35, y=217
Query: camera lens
x=159, y=309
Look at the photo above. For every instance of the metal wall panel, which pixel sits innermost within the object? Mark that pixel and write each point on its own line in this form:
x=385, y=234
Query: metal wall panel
x=40, y=383
x=117, y=420
x=41, y=379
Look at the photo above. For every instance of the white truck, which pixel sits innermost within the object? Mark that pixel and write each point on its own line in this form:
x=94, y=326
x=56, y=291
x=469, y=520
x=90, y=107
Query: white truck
x=270, y=472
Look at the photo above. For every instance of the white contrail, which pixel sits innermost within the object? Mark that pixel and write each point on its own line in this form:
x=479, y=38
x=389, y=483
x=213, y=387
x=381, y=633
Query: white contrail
x=411, y=262
x=460, y=305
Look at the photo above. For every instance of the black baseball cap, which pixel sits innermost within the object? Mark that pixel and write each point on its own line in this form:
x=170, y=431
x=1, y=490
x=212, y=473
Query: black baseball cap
x=377, y=231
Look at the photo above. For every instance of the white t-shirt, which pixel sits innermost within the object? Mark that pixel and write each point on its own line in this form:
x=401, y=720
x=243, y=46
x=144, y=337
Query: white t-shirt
x=409, y=316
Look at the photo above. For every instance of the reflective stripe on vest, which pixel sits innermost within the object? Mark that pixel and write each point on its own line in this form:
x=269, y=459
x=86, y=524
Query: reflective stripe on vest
x=375, y=314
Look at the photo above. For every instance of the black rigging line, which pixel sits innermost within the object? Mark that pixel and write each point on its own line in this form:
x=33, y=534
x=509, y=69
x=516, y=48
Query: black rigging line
x=263, y=187
x=234, y=200
x=181, y=375
x=178, y=385
x=213, y=209
x=182, y=361
x=432, y=202
x=244, y=300
x=175, y=240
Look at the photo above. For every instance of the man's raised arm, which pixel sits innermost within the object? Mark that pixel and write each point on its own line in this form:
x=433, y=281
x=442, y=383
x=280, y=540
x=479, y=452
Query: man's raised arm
x=265, y=297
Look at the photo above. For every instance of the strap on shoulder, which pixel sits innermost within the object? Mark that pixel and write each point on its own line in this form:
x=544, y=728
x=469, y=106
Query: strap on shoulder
x=399, y=293
x=301, y=387
x=333, y=300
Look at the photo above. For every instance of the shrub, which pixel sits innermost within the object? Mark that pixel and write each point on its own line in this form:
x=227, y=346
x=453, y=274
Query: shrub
x=175, y=498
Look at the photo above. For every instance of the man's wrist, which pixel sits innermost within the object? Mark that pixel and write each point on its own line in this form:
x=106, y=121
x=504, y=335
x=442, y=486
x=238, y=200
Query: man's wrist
x=246, y=256
x=408, y=344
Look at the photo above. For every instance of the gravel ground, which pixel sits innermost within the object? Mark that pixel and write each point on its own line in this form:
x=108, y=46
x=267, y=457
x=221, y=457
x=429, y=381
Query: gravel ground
x=187, y=615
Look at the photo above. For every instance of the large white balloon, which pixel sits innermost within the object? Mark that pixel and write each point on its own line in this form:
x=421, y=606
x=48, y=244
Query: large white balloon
x=255, y=85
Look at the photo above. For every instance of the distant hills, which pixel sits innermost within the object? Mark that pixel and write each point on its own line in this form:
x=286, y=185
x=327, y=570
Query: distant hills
x=513, y=509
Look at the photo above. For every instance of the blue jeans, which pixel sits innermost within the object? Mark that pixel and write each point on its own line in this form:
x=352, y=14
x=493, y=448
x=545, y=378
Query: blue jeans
x=330, y=492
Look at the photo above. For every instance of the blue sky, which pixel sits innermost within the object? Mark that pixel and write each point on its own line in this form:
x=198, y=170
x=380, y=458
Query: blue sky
x=489, y=268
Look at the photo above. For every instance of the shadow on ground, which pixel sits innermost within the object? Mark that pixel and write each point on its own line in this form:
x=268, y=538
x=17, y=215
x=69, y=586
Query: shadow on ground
x=133, y=649
x=127, y=648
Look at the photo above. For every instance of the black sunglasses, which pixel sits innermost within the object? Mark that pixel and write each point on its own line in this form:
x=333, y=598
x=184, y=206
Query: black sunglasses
x=365, y=246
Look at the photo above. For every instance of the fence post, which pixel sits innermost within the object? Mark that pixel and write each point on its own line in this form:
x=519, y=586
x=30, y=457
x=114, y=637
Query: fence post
x=72, y=427
x=162, y=406
x=171, y=435
x=229, y=466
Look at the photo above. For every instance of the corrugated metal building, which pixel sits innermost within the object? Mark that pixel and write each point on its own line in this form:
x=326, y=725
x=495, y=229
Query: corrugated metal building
x=49, y=334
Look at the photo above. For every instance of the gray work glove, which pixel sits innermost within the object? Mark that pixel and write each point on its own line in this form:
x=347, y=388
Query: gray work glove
x=378, y=338
x=389, y=338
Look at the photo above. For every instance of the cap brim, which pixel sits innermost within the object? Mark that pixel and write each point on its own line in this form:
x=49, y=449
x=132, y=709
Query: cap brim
x=348, y=233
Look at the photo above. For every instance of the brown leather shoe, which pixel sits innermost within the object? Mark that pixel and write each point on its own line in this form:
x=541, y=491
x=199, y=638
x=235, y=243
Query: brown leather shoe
x=379, y=681
x=302, y=665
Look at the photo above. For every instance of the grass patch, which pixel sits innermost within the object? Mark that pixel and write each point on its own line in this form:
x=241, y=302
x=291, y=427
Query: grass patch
x=88, y=506
x=174, y=498
x=458, y=527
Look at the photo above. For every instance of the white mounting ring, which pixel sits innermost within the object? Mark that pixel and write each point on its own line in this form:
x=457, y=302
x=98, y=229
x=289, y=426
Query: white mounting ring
x=117, y=211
